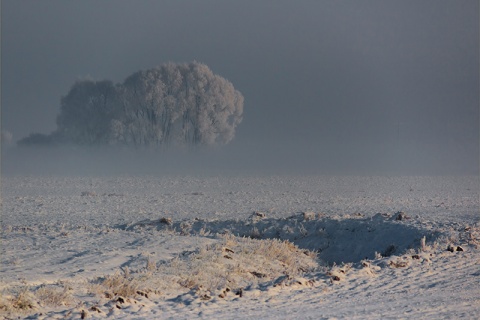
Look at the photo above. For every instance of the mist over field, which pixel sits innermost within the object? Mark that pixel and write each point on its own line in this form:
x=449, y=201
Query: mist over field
x=336, y=87
x=256, y=159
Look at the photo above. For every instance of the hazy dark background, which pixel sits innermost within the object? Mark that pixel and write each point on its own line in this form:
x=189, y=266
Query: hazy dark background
x=330, y=86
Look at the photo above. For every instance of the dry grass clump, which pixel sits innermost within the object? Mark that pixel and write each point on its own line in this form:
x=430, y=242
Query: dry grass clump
x=27, y=299
x=119, y=285
x=338, y=273
x=236, y=263
x=125, y=283
x=399, y=263
x=230, y=265
x=472, y=235
x=21, y=302
x=151, y=264
x=54, y=296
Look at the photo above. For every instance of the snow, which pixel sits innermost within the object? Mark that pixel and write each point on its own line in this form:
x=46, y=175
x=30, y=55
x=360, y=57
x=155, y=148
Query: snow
x=201, y=247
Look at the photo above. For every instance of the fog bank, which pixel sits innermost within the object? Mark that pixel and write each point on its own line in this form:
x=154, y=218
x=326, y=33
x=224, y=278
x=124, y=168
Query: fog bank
x=257, y=158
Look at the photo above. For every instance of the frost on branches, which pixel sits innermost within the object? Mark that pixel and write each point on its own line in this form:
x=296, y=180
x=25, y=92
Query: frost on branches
x=173, y=104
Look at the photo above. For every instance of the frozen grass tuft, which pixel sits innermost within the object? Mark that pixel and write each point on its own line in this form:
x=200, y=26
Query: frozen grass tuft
x=236, y=263
x=120, y=285
x=54, y=296
x=232, y=264
x=21, y=302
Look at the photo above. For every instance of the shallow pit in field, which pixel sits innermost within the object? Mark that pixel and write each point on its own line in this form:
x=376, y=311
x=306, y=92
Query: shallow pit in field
x=335, y=240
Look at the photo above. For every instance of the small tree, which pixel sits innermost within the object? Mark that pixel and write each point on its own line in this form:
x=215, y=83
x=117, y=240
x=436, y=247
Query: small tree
x=36, y=139
x=87, y=111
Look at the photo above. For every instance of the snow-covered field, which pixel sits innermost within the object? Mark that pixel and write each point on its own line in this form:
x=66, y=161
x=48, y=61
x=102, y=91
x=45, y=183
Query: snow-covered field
x=244, y=247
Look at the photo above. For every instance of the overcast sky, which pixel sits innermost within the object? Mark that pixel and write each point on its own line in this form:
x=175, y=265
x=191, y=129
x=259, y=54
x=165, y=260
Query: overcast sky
x=354, y=78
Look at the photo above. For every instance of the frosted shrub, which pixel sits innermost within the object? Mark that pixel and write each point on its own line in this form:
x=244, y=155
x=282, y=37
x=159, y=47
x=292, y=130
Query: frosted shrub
x=242, y=261
x=230, y=265
x=120, y=285
x=22, y=302
x=54, y=296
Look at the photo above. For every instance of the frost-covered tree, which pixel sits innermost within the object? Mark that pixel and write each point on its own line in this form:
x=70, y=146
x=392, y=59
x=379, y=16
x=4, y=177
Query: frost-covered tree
x=87, y=112
x=180, y=104
x=213, y=108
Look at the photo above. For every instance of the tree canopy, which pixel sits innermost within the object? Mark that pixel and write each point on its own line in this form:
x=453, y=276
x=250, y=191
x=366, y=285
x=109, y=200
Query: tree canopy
x=173, y=104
